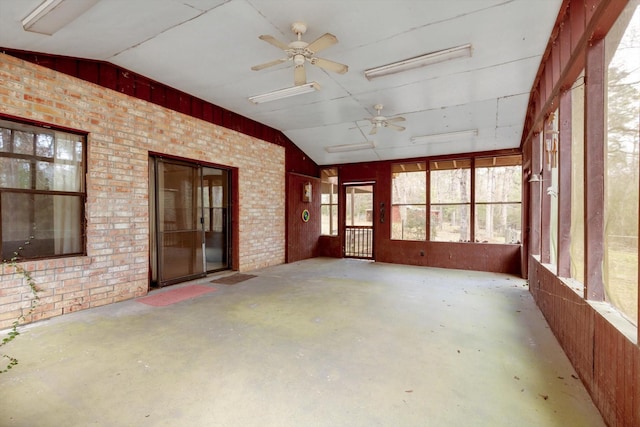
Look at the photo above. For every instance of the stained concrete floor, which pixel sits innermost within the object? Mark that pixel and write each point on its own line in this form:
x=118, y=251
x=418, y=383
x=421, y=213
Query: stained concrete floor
x=322, y=342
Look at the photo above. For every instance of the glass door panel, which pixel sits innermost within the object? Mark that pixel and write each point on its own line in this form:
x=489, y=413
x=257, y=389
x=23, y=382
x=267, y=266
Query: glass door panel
x=180, y=234
x=214, y=205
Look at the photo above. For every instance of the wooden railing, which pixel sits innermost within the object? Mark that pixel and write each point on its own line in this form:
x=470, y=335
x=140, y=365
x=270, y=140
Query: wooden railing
x=358, y=242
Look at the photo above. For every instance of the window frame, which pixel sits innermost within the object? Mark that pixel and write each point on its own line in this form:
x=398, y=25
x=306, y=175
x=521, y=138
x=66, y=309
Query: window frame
x=407, y=168
x=16, y=250
x=472, y=164
x=449, y=165
x=326, y=174
x=497, y=162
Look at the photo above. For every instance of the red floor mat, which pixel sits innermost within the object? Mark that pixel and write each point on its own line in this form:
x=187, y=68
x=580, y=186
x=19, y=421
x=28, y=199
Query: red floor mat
x=175, y=295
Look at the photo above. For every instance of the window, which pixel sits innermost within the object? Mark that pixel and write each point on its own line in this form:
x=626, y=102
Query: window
x=498, y=189
x=450, y=200
x=409, y=201
x=498, y=200
x=329, y=201
x=41, y=192
x=551, y=184
x=577, y=180
x=622, y=143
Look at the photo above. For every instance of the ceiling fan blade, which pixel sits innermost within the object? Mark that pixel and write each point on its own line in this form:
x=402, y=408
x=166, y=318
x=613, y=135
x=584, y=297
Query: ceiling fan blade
x=299, y=75
x=329, y=65
x=322, y=43
x=396, y=119
x=395, y=127
x=269, y=64
x=374, y=130
x=272, y=40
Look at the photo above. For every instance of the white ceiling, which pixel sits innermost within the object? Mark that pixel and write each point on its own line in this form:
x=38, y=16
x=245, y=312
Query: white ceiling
x=207, y=48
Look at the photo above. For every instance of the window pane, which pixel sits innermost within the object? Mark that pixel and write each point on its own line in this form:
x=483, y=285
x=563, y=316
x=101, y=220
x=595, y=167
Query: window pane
x=329, y=225
x=66, y=147
x=358, y=206
x=23, y=142
x=44, y=145
x=15, y=173
x=498, y=223
x=409, y=188
x=44, y=175
x=621, y=180
x=334, y=220
x=451, y=186
x=325, y=212
x=325, y=196
x=450, y=223
x=5, y=140
x=409, y=222
x=329, y=201
x=577, y=182
x=68, y=177
x=409, y=201
x=50, y=223
x=551, y=187
x=329, y=220
x=499, y=184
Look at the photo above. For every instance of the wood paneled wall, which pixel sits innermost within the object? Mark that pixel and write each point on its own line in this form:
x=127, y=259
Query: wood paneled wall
x=467, y=256
x=302, y=237
x=607, y=362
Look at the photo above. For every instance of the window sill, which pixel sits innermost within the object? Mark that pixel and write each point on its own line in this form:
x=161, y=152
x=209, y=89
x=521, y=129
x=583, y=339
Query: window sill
x=617, y=320
x=605, y=309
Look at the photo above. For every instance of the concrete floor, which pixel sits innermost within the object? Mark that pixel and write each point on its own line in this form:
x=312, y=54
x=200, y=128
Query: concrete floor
x=322, y=342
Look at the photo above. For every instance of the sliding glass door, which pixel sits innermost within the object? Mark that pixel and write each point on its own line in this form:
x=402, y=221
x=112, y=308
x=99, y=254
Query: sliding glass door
x=189, y=220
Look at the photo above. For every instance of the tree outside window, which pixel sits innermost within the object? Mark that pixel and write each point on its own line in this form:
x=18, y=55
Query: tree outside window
x=409, y=201
x=498, y=199
x=621, y=150
x=450, y=200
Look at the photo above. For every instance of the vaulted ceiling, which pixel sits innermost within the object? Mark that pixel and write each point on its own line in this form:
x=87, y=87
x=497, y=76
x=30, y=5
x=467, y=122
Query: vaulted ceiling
x=207, y=48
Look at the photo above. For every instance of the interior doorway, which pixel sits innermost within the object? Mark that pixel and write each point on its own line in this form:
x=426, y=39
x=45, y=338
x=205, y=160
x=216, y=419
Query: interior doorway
x=189, y=206
x=358, y=229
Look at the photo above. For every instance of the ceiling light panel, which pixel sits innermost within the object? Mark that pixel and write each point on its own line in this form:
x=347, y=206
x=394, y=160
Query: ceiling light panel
x=419, y=61
x=350, y=147
x=285, y=93
x=52, y=15
x=445, y=137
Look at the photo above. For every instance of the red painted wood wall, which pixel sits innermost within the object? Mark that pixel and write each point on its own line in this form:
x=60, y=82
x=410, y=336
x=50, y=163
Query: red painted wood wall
x=467, y=256
x=606, y=360
x=302, y=237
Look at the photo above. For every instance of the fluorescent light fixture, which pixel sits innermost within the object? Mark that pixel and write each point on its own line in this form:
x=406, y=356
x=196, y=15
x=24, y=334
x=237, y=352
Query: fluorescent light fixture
x=445, y=137
x=51, y=15
x=419, y=61
x=350, y=147
x=285, y=93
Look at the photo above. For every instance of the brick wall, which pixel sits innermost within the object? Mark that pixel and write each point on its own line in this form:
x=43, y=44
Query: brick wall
x=122, y=131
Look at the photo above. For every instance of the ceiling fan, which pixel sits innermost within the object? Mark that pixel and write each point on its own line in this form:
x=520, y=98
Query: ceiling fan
x=380, y=121
x=300, y=52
